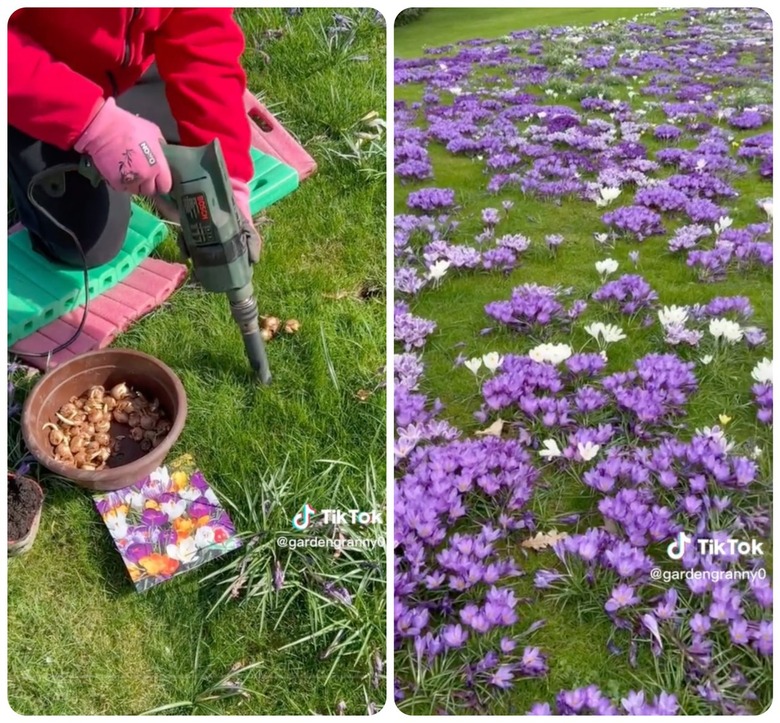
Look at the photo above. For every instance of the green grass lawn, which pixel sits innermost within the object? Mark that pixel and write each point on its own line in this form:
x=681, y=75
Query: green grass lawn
x=80, y=640
x=575, y=638
x=441, y=26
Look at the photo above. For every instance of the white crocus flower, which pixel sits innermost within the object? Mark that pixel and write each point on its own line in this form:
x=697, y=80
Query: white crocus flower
x=492, y=361
x=723, y=223
x=673, y=316
x=726, y=329
x=551, y=449
x=765, y=204
x=117, y=524
x=716, y=433
x=762, y=372
x=174, y=510
x=588, y=450
x=595, y=329
x=605, y=333
x=186, y=551
x=455, y=90
x=706, y=359
x=190, y=493
x=538, y=353
x=437, y=271
x=473, y=365
x=607, y=195
x=606, y=267
x=160, y=480
x=204, y=536
x=550, y=353
x=137, y=501
x=560, y=353
x=611, y=333
x=602, y=238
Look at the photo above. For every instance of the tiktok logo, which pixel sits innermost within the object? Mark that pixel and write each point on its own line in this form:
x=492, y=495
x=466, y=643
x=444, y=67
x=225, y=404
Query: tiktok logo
x=676, y=548
x=303, y=518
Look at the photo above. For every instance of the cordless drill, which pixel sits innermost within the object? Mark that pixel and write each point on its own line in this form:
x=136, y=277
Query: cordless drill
x=213, y=236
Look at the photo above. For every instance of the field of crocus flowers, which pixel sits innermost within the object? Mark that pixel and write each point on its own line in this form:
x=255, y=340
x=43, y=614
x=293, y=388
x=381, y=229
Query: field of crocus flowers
x=583, y=376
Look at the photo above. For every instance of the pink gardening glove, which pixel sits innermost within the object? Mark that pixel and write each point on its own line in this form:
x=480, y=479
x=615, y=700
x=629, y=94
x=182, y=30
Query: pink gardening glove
x=254, y=243
x=127, y=151
x=241, y=194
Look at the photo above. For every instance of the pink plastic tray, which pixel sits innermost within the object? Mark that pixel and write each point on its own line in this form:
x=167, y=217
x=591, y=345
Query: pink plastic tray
x=109, y=315
x=269, y=136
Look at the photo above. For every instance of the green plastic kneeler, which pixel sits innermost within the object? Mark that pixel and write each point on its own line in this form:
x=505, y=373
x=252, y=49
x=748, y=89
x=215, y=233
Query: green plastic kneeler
x=40, y=291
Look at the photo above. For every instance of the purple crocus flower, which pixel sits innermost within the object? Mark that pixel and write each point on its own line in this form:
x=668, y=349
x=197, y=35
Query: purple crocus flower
x=503, y=677
x=622, y=596
x=154, y=518
x=454, y=636
x=136, y=551
x=200, y=508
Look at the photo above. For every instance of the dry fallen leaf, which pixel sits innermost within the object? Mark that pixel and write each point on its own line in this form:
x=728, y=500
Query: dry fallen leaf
x=237, y=585
x=370, y=291
x=343, y=294
x=494, y=430
x=543, y=540
x=610, y=526
x=341, y=541
x=365, y=292
x=362, y=395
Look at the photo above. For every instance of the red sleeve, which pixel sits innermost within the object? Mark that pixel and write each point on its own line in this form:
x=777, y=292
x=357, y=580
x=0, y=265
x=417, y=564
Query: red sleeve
x=198, y=53
x=46, y=99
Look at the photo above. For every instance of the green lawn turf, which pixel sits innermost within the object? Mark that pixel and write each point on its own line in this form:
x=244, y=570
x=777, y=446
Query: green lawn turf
x=80, y=640
x=441, y=26
x=575, y=638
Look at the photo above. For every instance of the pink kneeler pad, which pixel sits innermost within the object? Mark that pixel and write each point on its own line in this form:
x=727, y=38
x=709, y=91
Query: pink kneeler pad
x=111, y=313
x=270, y=137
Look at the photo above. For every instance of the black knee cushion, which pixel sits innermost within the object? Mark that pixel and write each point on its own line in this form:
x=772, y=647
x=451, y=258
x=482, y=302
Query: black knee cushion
x=98, y=218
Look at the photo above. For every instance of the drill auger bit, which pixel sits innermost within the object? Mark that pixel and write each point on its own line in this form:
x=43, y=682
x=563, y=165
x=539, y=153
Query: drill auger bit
x=243, y=306
x=212, y=237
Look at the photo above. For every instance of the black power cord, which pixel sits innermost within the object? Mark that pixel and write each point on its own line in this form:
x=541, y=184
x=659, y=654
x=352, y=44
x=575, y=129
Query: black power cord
x=35, y=182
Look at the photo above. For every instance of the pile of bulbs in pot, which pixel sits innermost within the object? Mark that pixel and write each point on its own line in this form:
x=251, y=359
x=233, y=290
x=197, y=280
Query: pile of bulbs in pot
x=82, y=437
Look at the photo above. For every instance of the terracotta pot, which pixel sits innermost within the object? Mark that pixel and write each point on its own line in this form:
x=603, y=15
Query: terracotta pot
x=22, y=545
x=106, y=367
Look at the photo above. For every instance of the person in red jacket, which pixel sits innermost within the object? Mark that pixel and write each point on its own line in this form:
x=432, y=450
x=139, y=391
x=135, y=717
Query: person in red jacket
x=114, y=84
